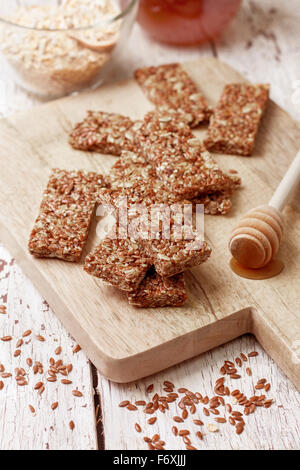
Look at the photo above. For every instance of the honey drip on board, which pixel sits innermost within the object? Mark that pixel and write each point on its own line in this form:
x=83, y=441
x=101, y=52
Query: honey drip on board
x=272, y=269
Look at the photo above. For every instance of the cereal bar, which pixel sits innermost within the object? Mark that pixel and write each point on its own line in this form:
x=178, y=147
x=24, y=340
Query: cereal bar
x=119, y=262
x=172, y=256
x=217, y=203
x=158, y=291
x=106, y=133
x=235, y=123
x=170, y=85
x=61, y=228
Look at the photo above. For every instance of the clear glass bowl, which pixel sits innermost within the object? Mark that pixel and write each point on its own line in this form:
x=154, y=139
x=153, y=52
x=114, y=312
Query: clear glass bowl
x=57, y=47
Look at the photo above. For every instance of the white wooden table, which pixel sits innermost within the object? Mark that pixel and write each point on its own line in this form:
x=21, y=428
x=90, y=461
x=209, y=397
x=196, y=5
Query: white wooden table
x=262, y=43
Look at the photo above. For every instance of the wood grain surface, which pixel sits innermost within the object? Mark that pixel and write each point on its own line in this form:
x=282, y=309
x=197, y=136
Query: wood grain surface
x=262, y=43
x=99, y=317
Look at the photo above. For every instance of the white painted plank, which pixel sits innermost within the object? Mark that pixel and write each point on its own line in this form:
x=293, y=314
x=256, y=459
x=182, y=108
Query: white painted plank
x=275, y=428
x=47, y=429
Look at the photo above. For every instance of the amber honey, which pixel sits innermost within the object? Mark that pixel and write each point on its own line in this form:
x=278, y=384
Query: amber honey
x=272, y=269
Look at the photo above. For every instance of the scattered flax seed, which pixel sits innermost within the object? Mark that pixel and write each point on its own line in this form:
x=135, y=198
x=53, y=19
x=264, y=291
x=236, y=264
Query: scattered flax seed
x=1, y=385
x=38, y=385
x=40, y=338
x=220, y=420
x=58, y=350
x=32, y=409
x=2, y=368
x=76, y=349
x=26, y=333
x=66, y=381
x=51, y=379
x=206, y=412
x=184, y=414
x=152, y=420
x=188, y=447
x=17, y=352
x=184, y=432
x=239, y=428
x=6, y=338
x=199, y=435
x=248, y=371
x=3, y=310
x=54, y=405
x=71, y=425
x=212, y=427
x=69, y=368
x=149, y=389
x=177, y=419
x=137, y=427
x=198, y=422
x=244, y=357
x=19, y=343
x=140, y=403
x=267, y=387
x=131, y=407
x=238, y=361
x=6, y=375
x=174, y=430
x=77, y=393
x=253, y=354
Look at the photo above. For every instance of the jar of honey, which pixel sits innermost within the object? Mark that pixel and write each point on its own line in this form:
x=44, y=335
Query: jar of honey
x=186, y=22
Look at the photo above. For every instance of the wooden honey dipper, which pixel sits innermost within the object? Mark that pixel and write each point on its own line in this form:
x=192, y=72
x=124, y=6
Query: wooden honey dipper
x=255, y=240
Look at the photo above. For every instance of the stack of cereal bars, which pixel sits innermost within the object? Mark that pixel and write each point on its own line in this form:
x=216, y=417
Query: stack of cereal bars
x=160, y=161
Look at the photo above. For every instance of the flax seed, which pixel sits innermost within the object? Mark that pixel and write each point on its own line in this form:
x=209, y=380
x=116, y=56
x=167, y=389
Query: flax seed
x=174, y=430
x=199, y=435
x=139, y=403
x=177, y=419
x=228, y=408
x=259, y=386
x=248, y=371
x=32, y=409
x=76, y=349
x=29, y=361
x=186, y=440
x=253, y=354
x=155, y=438
x=184, y=414
x=137, y=427
x=77, y=393
x=38, y=385
x=184, y=432
x=54, y=405
x=6, y=338
x=19, y=343
x=2, y=368
x=58, y=350
x=71, y=425
x=40, y=338
x=239, y=428
x=234, y=376
x=131, y=407
x=188, y=447
x=6, y=375
x=206, y=412
x=149, y=388
x=198, y=422
x=152, y=420
x=1, y=385
x=231, y=421
x=182, y=390
x=26, y=333
x=66, y=381
x=238, y=361
x=244, y=357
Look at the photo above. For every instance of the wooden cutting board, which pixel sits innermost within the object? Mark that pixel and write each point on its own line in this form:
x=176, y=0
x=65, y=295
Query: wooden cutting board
x=127, y=343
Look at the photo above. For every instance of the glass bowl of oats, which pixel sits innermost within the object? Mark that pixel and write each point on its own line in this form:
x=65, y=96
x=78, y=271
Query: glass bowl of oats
x=57, y=47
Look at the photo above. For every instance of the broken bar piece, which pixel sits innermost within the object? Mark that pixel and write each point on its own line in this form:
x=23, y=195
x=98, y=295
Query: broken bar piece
x=173, y=255
x=61, y=228
x=236, y=119
x=170, y=85
x=157, y=291
x=119, y=262
x=103, y=132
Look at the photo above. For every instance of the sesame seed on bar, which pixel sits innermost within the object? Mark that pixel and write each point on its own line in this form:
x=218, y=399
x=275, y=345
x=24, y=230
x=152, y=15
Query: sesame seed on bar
x=236, y=119
x=157, y=291
x=67, y=207
x=170, y=85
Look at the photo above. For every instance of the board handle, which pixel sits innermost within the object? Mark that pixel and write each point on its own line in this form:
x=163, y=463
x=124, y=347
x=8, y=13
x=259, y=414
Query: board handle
x=287, y=185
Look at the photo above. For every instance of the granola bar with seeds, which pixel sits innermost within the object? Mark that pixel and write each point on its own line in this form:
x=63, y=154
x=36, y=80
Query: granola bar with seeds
x=170, y=85
x=236, y=119
x=217, y=203
x=61, y=228
x=107, y=133
x=173, y=256
x=119, y=262
x=156, y=291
